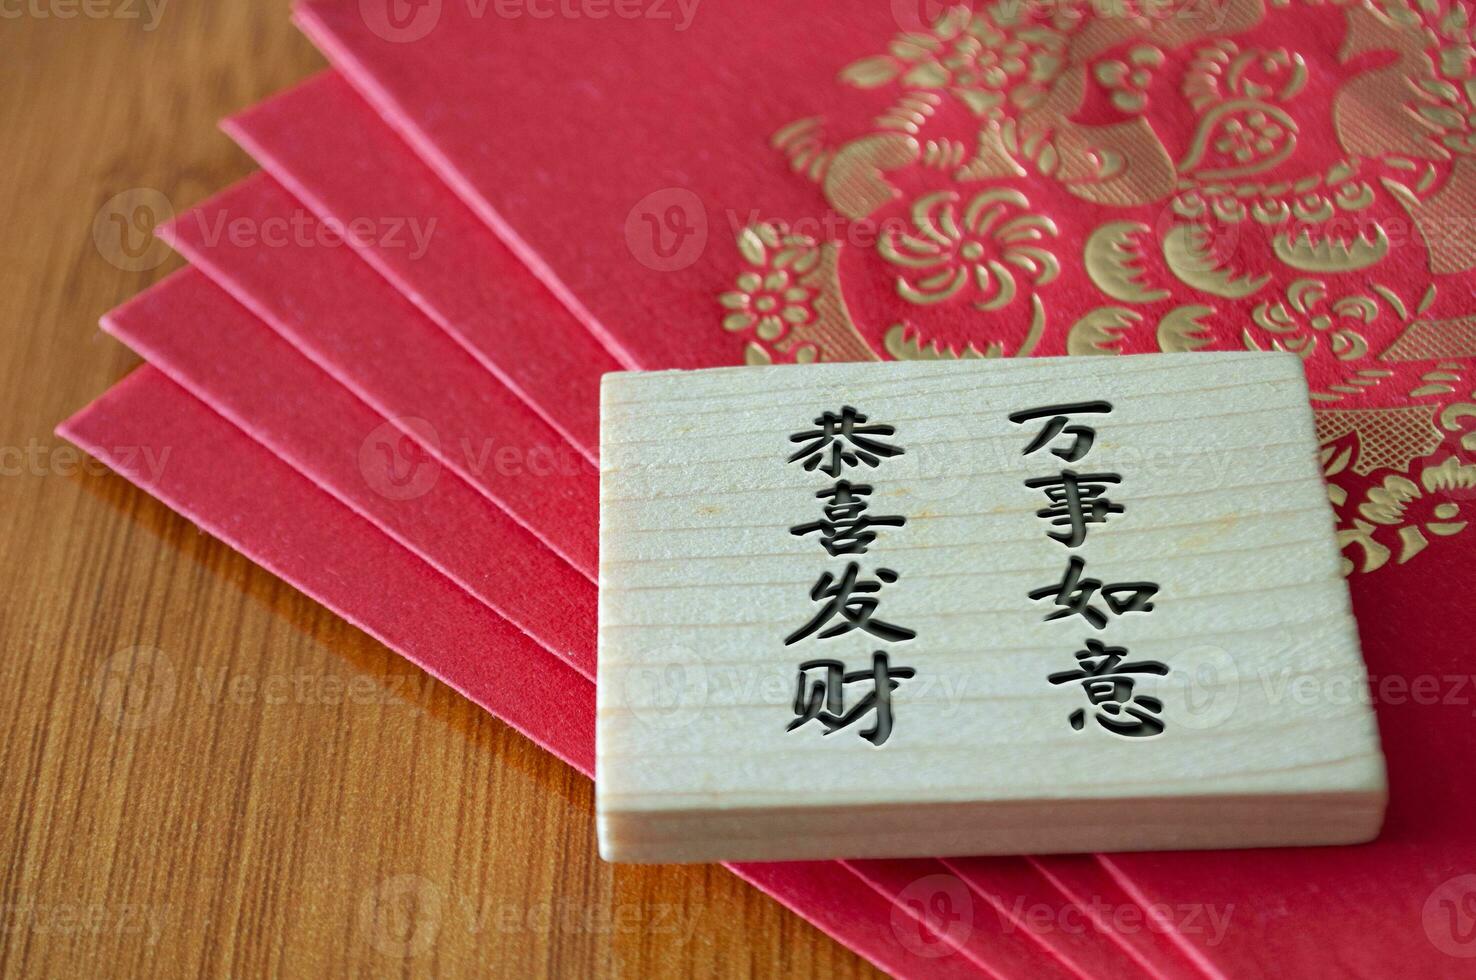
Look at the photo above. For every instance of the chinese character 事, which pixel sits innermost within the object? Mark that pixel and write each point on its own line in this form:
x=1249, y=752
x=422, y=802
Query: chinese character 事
x=849, y=601
x=1076, y=501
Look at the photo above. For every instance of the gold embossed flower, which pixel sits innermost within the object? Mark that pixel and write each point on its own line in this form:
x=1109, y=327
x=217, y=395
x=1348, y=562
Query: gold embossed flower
x=771, y=297
x=981, y=59
x=1128, y=79
x=980, y=248
x=1416, y=509
x=1306, y=319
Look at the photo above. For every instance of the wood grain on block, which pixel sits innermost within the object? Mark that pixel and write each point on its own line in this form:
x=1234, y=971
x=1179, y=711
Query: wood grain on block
x=1048, y=605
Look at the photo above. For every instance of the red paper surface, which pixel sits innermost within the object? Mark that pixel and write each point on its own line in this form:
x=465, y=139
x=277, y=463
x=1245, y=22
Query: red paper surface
x=237, y=490
x=289, y=269
x=461, y=276
x=1223, y=176
x=212, y=346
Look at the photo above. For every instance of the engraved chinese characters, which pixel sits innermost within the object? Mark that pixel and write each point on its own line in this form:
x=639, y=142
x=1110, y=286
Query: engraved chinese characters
x=1076, y=501
x=847, y=601
x=1172, y=558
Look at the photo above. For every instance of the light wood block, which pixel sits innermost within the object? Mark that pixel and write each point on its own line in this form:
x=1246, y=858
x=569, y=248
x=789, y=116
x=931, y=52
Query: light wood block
x=1207, y=562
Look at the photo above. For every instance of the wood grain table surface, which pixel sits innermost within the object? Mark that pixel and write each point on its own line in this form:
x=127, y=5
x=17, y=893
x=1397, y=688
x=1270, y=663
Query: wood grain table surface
x=205, y=773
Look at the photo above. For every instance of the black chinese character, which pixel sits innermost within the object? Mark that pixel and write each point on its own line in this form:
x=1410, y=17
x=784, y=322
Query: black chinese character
x=843, y=440
x=1082, y=436
x=823, y=699
x=854, y=602
x=1109, y=683
x=1074, y=595
x=846, y=529
x=1076, y=501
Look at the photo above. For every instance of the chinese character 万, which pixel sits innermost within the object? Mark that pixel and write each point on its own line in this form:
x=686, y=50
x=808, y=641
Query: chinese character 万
x=1082, y=436
x=1073, y=594
x=854, y=601
x=1109, y=683
x=823, y=698
x=843, y=440
x=1076, y=501
x=846, y=528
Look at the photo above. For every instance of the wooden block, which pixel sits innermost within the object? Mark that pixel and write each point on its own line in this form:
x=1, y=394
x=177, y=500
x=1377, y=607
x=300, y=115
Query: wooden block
x=985, y=607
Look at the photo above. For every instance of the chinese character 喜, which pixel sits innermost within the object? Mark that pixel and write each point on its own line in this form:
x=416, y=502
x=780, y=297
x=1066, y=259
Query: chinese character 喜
x=846, y=527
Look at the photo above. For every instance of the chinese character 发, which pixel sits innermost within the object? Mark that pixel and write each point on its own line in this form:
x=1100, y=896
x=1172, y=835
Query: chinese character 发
x=846, y=529
x=843, y=440
x=823, y=699
x=1076, y=501
x=1108, y=683
x=853, y=600
x=1082, y=436
x=1073, y=594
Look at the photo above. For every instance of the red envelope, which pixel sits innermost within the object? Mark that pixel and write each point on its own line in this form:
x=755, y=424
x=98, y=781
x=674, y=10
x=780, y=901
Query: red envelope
x=214, y=348
x=458, y=272
x=235, y=489
x=240, y=269
x=220, y=353
x=1021, y=180
x=374, y=341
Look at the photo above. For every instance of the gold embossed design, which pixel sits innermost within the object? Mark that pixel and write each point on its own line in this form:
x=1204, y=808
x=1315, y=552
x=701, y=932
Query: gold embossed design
x=1388, y=438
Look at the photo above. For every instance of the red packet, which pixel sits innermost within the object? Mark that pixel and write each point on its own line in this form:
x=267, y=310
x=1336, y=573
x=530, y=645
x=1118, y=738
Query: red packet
x=1012, y=180
x=234, y=488
x=340, y=160
x=214, y=348
x=296, y=273
x=185, y=325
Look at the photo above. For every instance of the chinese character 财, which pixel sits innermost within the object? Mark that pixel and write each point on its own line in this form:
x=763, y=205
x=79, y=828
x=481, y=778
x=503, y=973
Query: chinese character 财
x=823, y=698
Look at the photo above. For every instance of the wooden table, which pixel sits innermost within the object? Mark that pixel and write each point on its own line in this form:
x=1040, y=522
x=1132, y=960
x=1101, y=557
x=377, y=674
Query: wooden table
x=205, y=773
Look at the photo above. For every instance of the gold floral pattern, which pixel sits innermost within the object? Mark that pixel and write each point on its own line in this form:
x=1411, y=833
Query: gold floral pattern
x=1306, y=321
x=770, y=297
x=978, y=250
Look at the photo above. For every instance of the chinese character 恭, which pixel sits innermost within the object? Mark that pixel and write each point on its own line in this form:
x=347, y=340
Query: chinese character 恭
x=1109, y=683
x=1073, y=594
x=823, y=698
x=846, y=528
x=1082, y=436
x=854, y=601
x=843, y=440
x=1076, y=501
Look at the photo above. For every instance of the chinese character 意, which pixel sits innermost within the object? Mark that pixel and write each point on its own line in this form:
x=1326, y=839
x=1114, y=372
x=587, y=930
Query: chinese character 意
x=1076, y=501
x=843, y=440
x=854, y=600
x=1109, y=684
x=823, y=698
x=1073, y=594
x=1082, y=436
x=846, y=527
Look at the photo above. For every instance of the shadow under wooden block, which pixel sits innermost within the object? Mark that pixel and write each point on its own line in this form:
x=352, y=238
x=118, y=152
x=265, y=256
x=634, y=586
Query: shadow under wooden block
x=908, y=609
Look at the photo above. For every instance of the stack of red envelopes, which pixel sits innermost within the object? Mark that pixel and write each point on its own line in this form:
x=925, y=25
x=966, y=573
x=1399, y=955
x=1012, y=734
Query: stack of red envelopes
x=380, y=378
